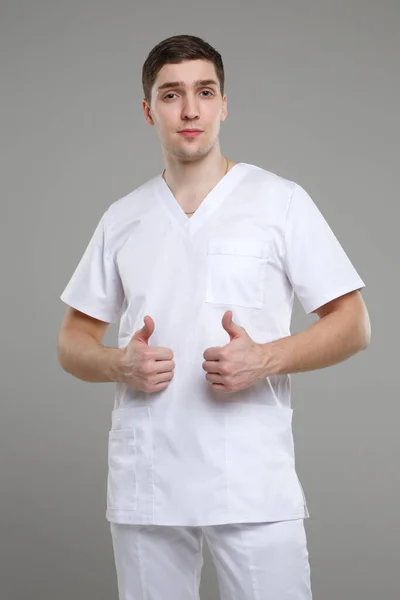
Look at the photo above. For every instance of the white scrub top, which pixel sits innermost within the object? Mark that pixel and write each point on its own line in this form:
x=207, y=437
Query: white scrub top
x=188, y=455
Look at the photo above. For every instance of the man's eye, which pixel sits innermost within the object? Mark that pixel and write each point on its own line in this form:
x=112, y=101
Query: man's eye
x=167, y=96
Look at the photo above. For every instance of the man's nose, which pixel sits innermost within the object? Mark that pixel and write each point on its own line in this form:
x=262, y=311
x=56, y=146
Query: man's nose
x=190, y=109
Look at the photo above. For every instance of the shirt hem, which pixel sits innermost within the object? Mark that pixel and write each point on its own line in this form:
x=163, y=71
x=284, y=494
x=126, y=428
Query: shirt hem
x=127, y=518
x=333, y=294
x=88, y=310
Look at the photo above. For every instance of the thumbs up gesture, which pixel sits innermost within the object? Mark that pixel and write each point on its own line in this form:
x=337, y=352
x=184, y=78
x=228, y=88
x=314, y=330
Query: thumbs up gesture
x=143, y=367
x=236, y=366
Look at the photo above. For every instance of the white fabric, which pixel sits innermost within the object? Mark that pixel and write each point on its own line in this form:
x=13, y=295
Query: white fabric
x=186, y=455
x=253, y=561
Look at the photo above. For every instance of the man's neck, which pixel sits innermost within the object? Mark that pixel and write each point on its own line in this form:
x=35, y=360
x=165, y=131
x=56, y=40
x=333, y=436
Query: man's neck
x=190, y=192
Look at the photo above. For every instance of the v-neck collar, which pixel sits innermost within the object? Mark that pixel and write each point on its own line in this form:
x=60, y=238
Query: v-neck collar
x=210, y=203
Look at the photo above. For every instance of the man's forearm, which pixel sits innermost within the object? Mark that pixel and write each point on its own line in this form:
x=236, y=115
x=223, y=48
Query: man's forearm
x=82, y=356
x=332, y=339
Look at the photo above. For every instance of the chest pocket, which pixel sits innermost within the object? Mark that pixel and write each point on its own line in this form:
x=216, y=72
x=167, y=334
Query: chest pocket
x=236, y=272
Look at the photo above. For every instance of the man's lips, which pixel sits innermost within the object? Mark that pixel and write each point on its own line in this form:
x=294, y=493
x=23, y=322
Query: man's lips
x=190, y=132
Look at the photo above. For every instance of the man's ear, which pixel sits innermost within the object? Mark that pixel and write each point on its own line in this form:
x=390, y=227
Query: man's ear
x=224, y=108
x=147, y=113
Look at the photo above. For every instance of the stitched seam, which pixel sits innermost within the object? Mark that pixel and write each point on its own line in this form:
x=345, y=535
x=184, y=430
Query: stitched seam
x=141, y=565
x=110, y=256
x=286, y=220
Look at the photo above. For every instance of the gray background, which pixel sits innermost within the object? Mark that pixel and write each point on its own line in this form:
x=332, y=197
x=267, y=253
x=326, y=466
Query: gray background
x=313, y=95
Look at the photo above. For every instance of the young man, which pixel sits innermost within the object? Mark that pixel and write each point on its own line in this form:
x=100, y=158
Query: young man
x=201, y=264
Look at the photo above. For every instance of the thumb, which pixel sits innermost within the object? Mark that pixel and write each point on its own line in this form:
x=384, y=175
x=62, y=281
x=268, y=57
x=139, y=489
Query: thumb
x=143, y=334
x=232, y=328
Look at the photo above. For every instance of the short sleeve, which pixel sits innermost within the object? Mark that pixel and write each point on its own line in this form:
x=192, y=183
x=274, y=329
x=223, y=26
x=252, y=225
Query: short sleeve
x=316, y=263
x=95, y=287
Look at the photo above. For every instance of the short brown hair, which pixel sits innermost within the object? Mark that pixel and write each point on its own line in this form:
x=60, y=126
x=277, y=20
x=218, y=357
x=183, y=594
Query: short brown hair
x=176, y=49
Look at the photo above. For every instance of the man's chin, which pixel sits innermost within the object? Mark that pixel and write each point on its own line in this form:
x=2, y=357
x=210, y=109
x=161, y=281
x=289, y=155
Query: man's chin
x=189, y=155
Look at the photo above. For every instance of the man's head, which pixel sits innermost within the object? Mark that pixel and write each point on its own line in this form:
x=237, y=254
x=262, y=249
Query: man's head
x=196, y=102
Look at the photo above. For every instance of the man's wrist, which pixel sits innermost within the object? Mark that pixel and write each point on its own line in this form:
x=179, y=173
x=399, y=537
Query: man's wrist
x=112, y=361
x=272, y=358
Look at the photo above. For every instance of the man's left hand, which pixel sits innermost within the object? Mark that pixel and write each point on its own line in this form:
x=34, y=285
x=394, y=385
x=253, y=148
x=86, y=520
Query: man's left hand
x=236, y=366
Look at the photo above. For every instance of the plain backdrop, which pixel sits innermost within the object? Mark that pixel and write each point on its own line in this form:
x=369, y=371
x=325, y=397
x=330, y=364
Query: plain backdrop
x=313, y=95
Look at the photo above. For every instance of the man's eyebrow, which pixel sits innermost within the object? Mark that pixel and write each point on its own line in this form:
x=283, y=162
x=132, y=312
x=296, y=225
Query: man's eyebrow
x=175, y=84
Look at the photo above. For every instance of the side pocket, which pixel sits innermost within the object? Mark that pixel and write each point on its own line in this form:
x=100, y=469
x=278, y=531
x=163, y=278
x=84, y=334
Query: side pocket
x=122, y=480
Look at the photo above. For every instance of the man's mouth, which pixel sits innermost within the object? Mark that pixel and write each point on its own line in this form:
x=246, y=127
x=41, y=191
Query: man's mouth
x=190, y=132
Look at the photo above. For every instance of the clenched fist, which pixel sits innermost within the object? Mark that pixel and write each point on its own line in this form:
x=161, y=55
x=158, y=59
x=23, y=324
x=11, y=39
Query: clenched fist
x=143, y=367
x=237, y=365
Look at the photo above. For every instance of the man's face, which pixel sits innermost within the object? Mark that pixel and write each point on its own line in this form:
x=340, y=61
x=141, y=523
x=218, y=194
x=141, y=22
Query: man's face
x=188, y=104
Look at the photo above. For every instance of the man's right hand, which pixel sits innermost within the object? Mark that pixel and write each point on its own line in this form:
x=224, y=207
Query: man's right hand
x=143, y=367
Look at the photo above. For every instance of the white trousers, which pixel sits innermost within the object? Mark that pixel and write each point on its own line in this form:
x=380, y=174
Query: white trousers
x=253, y=561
